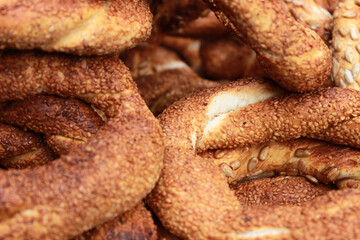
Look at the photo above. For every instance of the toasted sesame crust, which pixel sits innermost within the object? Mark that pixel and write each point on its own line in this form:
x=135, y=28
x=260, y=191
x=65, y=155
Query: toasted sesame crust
x=136, y=223
x=96, y=182
x=283, y=190
x=14, y=141
x=193, y=199
x=64, y=122
x=22, y=149
x=290, y=53
x=283, y=118
x=77, y=27
x=346, y=45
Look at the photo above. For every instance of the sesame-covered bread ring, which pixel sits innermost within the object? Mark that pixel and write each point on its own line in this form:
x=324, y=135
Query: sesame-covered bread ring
x=64, y=122
x=83, y=27
x=290, y=53
x=192, y=197
x=346, y=45
x=96, y=182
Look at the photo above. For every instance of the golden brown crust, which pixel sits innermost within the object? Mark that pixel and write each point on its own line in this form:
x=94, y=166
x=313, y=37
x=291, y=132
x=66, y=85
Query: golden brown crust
x=192, y=197
x=346, y=45
x=163, y=233
x=283, y=118
x=283, y=190
x=64, y=122
x=136, y=223
x=228, y=59
x=345, y=133
x=22, y=149
x=290, y=53
x=94, y=183
x=14, y=141
x=312, y=16
x=38, y=157
x=77, y=27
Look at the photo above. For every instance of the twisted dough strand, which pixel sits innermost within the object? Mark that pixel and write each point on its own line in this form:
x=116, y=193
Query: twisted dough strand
x=93, y=183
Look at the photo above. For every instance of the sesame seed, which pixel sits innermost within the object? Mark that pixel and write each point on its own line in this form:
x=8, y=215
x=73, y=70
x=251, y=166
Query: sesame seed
x=264, y=152
x=349, y=14
x=349, y=56
x=235, y=164
x=343, y=31
x=252, y=163
x=348, y=76
x=303, y=152
x=354, y=33
x=227, y=170
x=312, y=179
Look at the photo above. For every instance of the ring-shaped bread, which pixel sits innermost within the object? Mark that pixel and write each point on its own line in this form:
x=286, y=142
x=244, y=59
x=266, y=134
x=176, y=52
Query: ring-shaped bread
x=95, y=182
x=192, y=197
